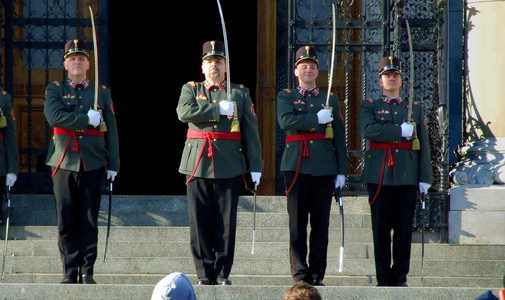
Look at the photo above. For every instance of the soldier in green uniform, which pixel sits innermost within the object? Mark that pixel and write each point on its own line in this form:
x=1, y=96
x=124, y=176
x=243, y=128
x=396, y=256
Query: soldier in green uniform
x=8, y=144
x=80, y=155
x=313, y=163
x=222, y=144
x=395, y=170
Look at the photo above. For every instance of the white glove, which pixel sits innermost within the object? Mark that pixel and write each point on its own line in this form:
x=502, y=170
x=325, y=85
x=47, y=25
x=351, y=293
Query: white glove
x=256, y=176
x=407, y=130
x=111, y=175
x=226, y=108
x=94, y=118
x=339, y=181
x=10, y=179
x=424, y=187
x=324, y=116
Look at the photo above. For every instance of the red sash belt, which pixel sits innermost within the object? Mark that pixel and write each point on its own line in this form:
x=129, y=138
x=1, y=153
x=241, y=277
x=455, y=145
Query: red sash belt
x=74, y=134
x=402, y=145
x=387, y=148
x=304, y=150
x=208, y=137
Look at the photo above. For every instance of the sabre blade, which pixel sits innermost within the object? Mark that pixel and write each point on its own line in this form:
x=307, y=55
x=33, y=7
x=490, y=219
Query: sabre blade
x=411, y=88
x=226, y=50
x=254, y=218
x=341, y=260
x=95, y=48
x=108, y=222
x=341, y=207
x=332, y=55
x=7, y=220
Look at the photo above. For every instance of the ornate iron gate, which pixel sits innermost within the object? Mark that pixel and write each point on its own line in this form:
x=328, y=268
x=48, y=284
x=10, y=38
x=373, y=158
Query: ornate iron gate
x=35, y=32
x=366, y=31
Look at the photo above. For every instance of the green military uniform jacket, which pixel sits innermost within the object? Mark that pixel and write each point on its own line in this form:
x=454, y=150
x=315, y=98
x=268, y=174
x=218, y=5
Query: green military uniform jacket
x=9, y=155
x=199, y=107
x=67, y=108
x=298, y=115
x=381, y=122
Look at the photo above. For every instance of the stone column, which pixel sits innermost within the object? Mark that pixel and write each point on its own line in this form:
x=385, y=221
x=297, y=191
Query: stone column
x=477, y=214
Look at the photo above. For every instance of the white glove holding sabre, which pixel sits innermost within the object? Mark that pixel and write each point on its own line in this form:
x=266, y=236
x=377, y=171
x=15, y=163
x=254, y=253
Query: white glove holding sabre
x=10, y=179
x=324, y=116
x=226, y=108
x=424, y=187
x=256, y=177
x=339, y=181
x=111, y=175
x=407, y=130
x=94, y=118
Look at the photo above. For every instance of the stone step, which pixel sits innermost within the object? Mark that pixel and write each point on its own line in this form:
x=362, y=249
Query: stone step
x=150, y=238
x=285, y=280
x=174, y=203
x=242, y=292
x=256, y=266
x=262, y=249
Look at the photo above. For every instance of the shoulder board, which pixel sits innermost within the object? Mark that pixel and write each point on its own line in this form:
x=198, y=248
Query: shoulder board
x=288, y=91
x=369, y=100
x=241, y=86
x=104, y=87
x=192, y=83
x=4, y=93
x=415, y=103
x=56, y=83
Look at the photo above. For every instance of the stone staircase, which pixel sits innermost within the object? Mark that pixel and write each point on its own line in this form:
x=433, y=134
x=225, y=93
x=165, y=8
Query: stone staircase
x=150, y=239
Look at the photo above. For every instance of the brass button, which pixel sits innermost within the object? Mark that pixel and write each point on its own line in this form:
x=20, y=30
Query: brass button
x=215, y=140
x=189, y=145
x=215, y=126
x=215, y=101
x=397, y=151
x=312, y=142
x=287, y=146
x=312, y=105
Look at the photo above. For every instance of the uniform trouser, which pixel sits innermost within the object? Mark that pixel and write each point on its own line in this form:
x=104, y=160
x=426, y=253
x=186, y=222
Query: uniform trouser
x=212, y=225
x=394, y=210
x=311, y=195
x=78, y=196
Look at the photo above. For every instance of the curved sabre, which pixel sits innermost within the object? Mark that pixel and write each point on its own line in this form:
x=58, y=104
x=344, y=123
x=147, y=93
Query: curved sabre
x=332, y=55
x=95, y=55
x=226, y=50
